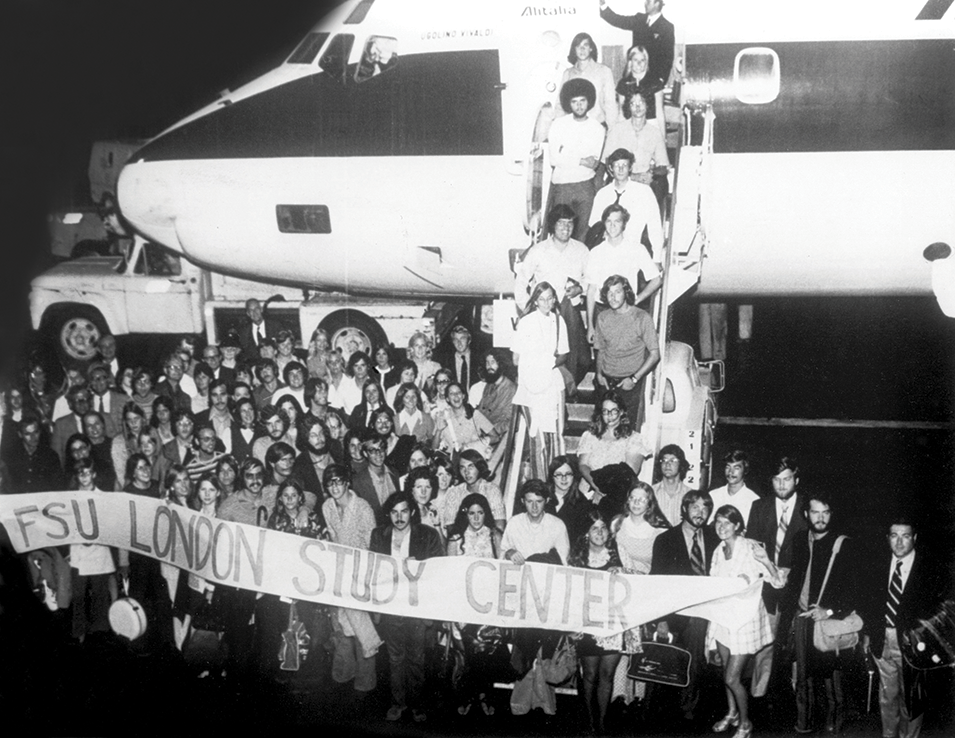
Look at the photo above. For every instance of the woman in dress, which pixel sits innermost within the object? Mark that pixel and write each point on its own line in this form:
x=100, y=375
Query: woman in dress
x=384, y=370
x=475, y=476
x=608, y=443
x=599, y=656
x=583, y=57
x=412, y=419
x=567, y=502
x=540, y=346
x=350, y=522
x=473, y=534
x=460, y=427
x=738, y=556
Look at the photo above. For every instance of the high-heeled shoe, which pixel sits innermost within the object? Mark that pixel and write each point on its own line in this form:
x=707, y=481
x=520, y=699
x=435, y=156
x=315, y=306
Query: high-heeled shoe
x=728, y=720
x=744, y=731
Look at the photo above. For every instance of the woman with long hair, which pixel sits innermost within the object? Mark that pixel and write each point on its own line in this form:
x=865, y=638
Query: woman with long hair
x=412, y=418
x=127, y=442
x=143, y=395
x=596, y=549
x=419, y=351
x=317, y=361
x=636, y=81
x=446, y=475
x=738, y=556
x=227, y=472
x=161, y=419
x=612, y=447
x=397, y=448
x=436, y=392
x=372, y=398
x=421, y=485
x=150, y=446
x=293, y=409
x=177, y=486
x=476, y=479
x=540, y=346
x=473, y=533
x=460, y=427
x=567, y=502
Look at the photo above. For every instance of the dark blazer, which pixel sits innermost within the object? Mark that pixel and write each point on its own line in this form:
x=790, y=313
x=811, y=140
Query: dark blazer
x=921, y=596
x=670, y=556
x=250, y=351
x=240, y=449
x=658, y=40
x=170, y=451
x=425, y=542
x=762, y=526
x=574, y=516
x=112, y=418
x=303, y=473
x=364, y=487
x=63, y=428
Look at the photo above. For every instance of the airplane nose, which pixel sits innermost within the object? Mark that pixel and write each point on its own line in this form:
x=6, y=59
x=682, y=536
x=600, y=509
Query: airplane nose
x=146, y=192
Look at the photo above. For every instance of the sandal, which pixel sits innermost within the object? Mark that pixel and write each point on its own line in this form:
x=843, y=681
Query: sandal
x=488, y=709
x=726, y=722
x=464, y=709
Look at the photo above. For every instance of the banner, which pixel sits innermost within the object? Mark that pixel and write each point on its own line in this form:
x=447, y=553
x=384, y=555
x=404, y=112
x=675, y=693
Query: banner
x=458, y=588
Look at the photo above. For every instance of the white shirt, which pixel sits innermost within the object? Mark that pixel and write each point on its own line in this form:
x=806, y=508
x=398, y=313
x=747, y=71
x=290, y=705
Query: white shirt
x=641, y=203
x=571, y=140
x=627, y=259
x=786, y=506
x=907, y=562
x=548, y=262
x=742, y=500
x=534, y=538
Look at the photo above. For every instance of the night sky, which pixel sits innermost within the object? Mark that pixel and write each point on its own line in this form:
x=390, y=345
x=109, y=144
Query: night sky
x=76, y=71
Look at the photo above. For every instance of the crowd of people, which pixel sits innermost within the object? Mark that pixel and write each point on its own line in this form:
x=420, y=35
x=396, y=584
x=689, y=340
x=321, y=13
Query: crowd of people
x=394, y=455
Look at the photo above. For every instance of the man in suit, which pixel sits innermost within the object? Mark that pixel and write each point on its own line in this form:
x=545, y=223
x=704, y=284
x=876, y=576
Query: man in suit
x=180, y=450
x=651, y=31
x=256, y=329
x=823, y=584
x=404, y=537
x=460, y=359
x=105, y=400
x=212, y=356
x=686, y=550
x=906, y=586
x=376, y=482
x=776, y=522
x=78, y=399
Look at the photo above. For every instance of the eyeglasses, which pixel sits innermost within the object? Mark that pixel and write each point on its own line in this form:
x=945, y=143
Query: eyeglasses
x=376, y=452
x=563, y=475
x=610, y=413
x=337, y=483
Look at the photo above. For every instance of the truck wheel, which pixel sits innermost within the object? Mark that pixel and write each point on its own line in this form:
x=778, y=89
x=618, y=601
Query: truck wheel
x=74, y=331
x=350, y=331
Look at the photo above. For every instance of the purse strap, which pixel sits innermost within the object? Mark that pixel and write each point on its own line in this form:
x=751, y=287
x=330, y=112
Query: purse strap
x=832, y=558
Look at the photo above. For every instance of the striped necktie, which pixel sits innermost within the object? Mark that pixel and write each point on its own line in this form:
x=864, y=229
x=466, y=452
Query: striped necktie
x=895, y=594
x=780, y=533
x=696, y=557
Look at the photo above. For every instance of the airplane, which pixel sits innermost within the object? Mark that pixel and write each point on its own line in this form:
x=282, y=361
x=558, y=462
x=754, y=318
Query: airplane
x=397, y=150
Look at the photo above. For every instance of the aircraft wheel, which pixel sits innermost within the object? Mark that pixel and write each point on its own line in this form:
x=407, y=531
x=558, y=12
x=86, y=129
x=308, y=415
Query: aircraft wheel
x=351, y=330
x=74, y=331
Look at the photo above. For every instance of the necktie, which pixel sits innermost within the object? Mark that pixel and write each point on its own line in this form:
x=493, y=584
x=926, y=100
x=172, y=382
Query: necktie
x=619, y=195
x=258, y=335
x=463, y=374
x=99, y=404
x=895, y=593
x=696, y=556
x=780, y=533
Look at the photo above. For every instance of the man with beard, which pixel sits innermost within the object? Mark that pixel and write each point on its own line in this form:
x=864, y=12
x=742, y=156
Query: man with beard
x=497, y=400
x=776, y=522
x=316, y=392
x=310, y=465
x=560, y=261
x=276, y=423
x=823, y=584
x=686, y=550
x=94, y=426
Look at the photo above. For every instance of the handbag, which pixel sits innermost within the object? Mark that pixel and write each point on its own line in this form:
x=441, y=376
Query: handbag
x=562, y=666
x=661, y=663
x=834, y=634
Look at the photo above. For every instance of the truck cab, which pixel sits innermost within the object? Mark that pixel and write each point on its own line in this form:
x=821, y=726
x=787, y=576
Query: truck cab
x=150, y=290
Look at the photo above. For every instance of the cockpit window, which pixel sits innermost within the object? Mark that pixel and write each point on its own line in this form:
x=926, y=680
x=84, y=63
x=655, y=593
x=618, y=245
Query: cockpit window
x=360, y=11
x=335, y=59
x=155, y=261
x=379, y=55
x=306, y=51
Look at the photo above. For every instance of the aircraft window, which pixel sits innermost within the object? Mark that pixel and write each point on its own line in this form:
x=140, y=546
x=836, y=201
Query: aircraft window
x=380, y=55
x=303, y=219
x=359, y=13
x=756, y=76
x=306, y=51
x=335, y=59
